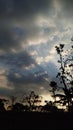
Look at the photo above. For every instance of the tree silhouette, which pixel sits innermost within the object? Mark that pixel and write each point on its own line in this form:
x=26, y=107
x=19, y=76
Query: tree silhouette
x=2, y=108
x=32, y=101
x=65, y=75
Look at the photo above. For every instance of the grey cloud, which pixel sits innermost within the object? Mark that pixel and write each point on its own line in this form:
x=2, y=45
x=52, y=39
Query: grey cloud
x=17, y=21
x=13, y=37
x=37, y=77
x=42, y=49
x=9, y=38
x=6, y=92
x=67, y=3
x=17, y=60
x=14, y=14
x=28, y=81
x=67, y=8
x=22, y=80
x=20, y=8
x=52, y=69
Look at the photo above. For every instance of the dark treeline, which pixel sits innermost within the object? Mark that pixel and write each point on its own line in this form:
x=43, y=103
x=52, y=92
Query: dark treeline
x=30, y=103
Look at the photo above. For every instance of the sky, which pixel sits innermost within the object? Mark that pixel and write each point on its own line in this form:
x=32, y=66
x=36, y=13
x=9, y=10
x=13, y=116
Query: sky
x=29, y=32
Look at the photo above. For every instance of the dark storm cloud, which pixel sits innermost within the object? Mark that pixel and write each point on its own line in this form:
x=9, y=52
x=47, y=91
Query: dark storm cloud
x=8, y=39
x=15, y=12
x=22, y=8
x=27, y=80
x=20, y=79
x=32, y=79
x=17, y=60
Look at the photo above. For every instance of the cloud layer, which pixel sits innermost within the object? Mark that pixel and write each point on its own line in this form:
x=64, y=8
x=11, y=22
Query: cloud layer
x=29, y=31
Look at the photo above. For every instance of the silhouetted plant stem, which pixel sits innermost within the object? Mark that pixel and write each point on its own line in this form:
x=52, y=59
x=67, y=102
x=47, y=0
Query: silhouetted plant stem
x=65, y=75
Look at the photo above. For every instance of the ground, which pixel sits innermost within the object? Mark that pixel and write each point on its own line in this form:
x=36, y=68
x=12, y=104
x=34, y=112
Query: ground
x=36, y=121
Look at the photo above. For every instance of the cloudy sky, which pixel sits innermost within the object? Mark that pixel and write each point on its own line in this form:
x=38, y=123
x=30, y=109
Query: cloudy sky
x=29, y=32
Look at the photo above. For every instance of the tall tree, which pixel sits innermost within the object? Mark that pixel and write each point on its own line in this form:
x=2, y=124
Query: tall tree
x=65, y=74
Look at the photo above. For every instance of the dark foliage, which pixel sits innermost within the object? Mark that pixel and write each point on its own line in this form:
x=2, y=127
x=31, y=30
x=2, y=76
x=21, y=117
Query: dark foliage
x=49, y=107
